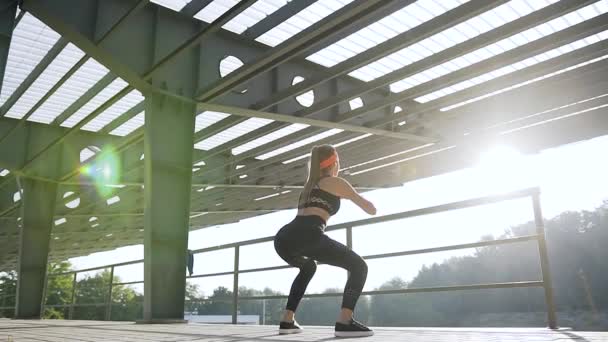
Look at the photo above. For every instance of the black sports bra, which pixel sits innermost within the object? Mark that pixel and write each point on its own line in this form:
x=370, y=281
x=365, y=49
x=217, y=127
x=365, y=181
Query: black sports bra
x=322, y=199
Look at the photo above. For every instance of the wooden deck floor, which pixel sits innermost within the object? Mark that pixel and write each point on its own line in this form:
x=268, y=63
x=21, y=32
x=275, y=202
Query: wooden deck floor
x=93, y=331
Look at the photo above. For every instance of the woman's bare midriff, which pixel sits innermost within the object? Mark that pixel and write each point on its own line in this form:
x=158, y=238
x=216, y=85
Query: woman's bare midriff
x=314, y=211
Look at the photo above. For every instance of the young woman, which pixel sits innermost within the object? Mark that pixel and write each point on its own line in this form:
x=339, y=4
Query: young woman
x=302, y=242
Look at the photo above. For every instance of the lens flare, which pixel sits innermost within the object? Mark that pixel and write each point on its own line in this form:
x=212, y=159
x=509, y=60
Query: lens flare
x=104, y=171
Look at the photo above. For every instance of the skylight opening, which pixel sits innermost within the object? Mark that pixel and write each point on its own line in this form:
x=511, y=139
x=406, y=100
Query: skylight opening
x=175, y=5
x=232, y=133
x=388, y=156
x=466, y=30
x=561, y=117
x=130, y=125
x=522, y=84
x=386, y=28
x=527, y=117
x=66, y=59
x=345, y=142
x=401, y=161
x=108, y=92
x=300, y=143
x=120, y=107
x=283, y=132
x=208, y=118
x=77, y=85
x=514, y=67
x=249, y=17
x=30, y=42
x=497, y=48
x=302, y=20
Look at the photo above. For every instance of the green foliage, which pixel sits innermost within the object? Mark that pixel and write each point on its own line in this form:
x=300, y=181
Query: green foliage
x=8, y=286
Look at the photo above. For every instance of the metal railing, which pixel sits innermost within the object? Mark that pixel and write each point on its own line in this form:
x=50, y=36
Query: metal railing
x=533, y=193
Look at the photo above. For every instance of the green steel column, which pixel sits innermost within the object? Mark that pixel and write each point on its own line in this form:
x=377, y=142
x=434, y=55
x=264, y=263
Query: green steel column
x=168, y=147
x=37, y=212
x=8, y=10
x=38, y=208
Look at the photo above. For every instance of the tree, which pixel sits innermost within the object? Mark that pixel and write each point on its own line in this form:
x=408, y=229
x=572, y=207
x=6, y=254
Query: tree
x=8, y=289
x=126, y=303
x=219, y=303
x=58, y=290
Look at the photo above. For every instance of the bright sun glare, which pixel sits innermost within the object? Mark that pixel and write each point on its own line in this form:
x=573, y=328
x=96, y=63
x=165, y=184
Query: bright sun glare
x=503, y=168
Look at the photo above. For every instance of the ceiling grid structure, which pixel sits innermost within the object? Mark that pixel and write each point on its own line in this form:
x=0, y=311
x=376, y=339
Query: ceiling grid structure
x=436, y=71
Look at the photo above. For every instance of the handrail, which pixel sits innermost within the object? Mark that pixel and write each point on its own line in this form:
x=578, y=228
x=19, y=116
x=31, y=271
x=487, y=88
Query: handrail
x=539, y=237
x=357, y=223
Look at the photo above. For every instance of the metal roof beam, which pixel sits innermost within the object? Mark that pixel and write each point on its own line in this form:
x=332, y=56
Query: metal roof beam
x=312, y=122
x=430, y=109
x=452, y=17
x=315, y=37
x=408, y=38
x=8, y=10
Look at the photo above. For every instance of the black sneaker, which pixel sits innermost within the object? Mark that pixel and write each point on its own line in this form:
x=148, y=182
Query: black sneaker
x=352, y=329
x=286, y=328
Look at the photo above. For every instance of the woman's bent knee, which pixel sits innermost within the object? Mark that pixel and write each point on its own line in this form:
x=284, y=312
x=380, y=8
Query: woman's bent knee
x=310, y=267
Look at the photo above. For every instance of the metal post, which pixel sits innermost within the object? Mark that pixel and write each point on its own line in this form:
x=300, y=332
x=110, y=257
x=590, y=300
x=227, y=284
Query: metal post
x=349, y=243
x=349, y=237
x=37, y=211
x=263, y=311
x=44, y=288
x=109, y=299
x=544, y=262
x=235, y=287
x=168, y=183
x=71, y=314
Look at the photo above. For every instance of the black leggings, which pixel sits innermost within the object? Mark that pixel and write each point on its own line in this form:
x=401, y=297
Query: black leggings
x=302, y=242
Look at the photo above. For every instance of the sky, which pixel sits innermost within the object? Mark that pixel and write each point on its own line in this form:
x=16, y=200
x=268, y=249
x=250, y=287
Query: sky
x=571, y=177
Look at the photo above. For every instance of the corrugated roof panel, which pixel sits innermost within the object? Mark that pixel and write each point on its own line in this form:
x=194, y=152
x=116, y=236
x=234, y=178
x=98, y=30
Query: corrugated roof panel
x=268, y=138
x=103, y=96
x=382, y=30
x=301, y=21
x=300, y=143
x=30, y=42
x=79, y=83
x=446, y=39
x=175, y=5
x=519, y=85
x=232, y=133
x=491, y=50
x=49, y=77
x=249, y=17
x=511, y=68
x=206, y=119
x=131, y=125
x=117, y=109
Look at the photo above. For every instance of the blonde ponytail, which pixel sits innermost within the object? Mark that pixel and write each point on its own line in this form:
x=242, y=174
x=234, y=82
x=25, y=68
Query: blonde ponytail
x=317, y=154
